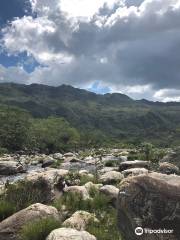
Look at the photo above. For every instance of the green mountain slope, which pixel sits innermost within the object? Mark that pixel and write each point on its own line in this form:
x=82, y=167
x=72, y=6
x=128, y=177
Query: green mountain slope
x=115, y=116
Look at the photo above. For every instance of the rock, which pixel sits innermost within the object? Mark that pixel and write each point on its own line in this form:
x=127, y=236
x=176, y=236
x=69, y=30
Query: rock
x=134, y=172
x=81, y=190
x=69, y=234
x=168, y=168
x=10, y=227
x=134, y=164
x=111, y=192
x=48, y=163
x=58, y=156
x=11, y=168
x=107, y=169
x=123, y=158
x=69, y=155
x=83, y=172
x=53, y=181
x=149, y=201
x=111, y=177
x=172, y=157
x=80, y=220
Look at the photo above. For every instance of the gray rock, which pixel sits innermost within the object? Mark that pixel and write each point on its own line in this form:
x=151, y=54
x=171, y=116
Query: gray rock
x=69, y=234
x=168, y=168
x=111, y=177
x=80, y=220
x=10, y=227
x=149, y=201
x=134, y=172
x=111, y=192
x=134, y=164
x=11, y=168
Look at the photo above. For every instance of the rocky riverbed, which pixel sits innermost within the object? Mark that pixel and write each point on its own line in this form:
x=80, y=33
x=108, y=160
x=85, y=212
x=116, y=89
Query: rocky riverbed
x=113, y=191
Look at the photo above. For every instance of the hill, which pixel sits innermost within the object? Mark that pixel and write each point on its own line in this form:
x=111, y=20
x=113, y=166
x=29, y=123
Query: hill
x=114, y=116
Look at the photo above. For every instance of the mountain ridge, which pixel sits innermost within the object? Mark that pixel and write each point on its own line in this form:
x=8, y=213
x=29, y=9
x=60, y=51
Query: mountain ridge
x=113, y=115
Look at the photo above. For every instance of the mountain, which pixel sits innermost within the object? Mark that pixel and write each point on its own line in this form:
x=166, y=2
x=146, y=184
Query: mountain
x=115, y=115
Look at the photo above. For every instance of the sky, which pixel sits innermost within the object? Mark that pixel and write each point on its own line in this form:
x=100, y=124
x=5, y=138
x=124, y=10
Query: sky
x=126, y=46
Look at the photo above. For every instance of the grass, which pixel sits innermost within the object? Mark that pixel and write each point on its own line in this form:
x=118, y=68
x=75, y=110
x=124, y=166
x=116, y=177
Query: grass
x=73, y=177
x=99, y=205
x=38, y=230
x=106, y=229
x=6, y=209
x=25, y=193
x=74, y=202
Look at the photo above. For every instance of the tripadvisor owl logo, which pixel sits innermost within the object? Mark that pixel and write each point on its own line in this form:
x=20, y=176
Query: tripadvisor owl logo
x=139, y=231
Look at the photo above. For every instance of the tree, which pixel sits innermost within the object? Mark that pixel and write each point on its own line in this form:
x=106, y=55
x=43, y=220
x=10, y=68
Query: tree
x=14, y=129
x=54, y=134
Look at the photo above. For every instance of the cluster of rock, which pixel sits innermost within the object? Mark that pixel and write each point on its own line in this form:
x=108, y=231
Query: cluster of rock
x=143, y=198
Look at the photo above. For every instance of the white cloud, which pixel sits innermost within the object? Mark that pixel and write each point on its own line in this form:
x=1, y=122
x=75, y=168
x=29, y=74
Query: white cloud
x=168, y=95
x=130, y=46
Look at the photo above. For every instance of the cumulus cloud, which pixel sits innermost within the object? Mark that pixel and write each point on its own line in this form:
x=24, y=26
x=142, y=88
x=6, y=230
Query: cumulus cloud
x=129, y=46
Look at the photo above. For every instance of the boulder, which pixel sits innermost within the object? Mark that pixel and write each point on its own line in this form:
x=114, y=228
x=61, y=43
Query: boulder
x=47, y=163
x=172, y=157
x=111, y=177
x=149, y=201
x=53, y=181
x=11, y=168
x=81, y=190
x=10, y=227
x=58, y=156
x=111, y=192
x=80, y=220
x=168, y=168
x=134, y=164
x=107, y=169
x=134, y=172
x=69, y=155
x=69, y=234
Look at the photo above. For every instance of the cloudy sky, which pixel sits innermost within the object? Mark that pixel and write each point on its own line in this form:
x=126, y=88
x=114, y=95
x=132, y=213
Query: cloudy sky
x=128, y=46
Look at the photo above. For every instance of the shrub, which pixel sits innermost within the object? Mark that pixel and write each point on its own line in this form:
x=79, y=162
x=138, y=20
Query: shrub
x=111, y=163
x=38, y=230
x=74, y=202
x=107, y=227
x=25, y=193
x=6, y=209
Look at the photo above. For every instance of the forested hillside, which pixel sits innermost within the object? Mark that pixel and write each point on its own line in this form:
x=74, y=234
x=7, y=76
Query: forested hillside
x=54, y=117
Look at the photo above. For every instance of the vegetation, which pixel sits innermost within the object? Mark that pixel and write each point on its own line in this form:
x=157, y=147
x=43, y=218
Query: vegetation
x=43, y=118
x=22, y=194
x=39, y=229
x=6, y=209
x=100, y=206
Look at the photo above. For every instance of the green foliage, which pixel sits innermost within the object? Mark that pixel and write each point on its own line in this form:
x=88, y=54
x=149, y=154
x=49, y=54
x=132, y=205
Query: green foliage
x=106, y=229
x=14, y=129
x=25, y=193
x=54, y=134
x=74, y=177
x=6, y=209
x=39, y=229
x=99, y=205
x=74, y=202
x=111, y=163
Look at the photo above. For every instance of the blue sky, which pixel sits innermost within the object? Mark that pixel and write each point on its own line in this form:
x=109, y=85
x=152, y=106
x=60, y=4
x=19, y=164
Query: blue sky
x=127, y=46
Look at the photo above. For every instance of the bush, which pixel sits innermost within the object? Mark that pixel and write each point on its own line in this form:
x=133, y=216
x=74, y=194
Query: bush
x=111, y=163
x=107, y=227
x=38, y=230
x=25, y=193
x=74, y=202
x=6, y=209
